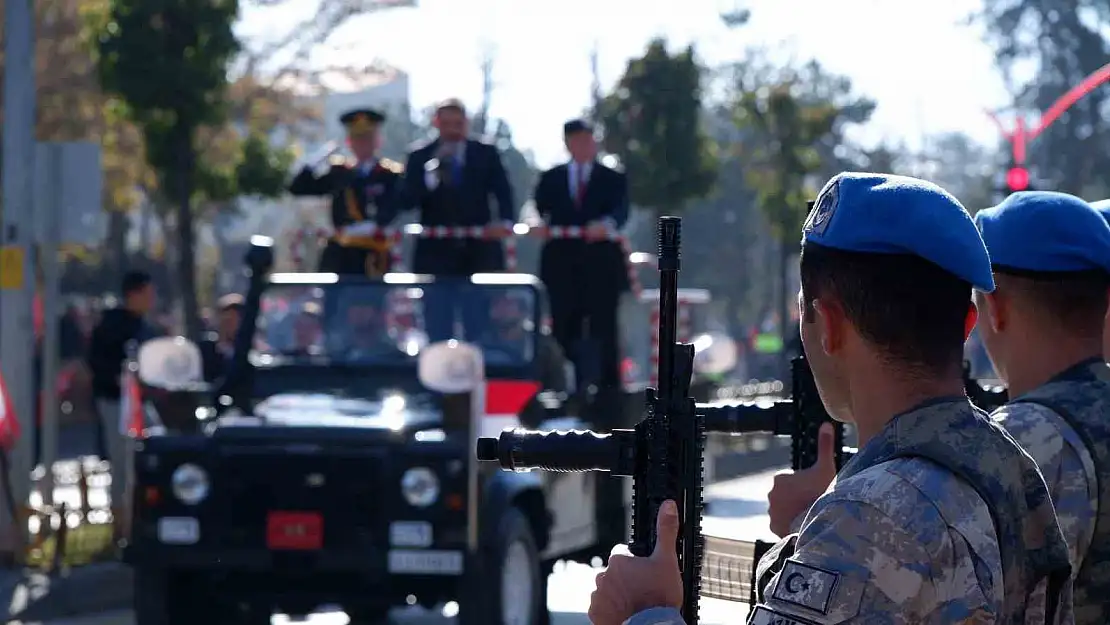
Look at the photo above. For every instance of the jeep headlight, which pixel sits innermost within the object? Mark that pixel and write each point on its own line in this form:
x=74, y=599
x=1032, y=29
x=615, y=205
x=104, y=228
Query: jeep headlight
x=190, y=484
x=420, y=487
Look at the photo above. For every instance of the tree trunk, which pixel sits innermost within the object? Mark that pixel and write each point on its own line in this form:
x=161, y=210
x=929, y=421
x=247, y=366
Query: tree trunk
x=116, y=256
x=186, y=235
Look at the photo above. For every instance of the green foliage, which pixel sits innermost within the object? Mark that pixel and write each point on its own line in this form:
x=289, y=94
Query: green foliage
x=168, y=58
x=168, y=61
x=790, y=119
x=519, y=168
x=262, y=169
x=1065, y=41
x=652, y=121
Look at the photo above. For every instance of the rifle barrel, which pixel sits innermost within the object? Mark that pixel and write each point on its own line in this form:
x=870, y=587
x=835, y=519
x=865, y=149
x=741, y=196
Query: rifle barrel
x=772, y=417
x=574, y=451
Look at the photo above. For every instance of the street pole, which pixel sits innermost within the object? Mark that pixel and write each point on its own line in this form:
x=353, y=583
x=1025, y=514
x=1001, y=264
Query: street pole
x=49, y=226
x=16, y=238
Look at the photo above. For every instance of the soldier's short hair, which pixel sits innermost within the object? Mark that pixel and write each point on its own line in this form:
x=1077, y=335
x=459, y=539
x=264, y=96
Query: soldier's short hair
x=909, y=308
x=135, y=281
x=1074, y=300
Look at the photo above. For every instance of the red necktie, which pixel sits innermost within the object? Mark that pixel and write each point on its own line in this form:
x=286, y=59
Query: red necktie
x=580, y=195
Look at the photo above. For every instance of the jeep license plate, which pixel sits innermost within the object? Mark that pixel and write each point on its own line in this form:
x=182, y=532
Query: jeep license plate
x=425, y=562
x=303, y=531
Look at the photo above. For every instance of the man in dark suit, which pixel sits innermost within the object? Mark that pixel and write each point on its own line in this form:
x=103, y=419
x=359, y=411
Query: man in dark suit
x=585, y=277
x=366, y=189
x=219, y=347
x=450, y=180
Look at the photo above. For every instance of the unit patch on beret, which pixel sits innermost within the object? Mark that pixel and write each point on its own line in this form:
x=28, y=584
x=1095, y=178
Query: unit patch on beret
x=823, y=210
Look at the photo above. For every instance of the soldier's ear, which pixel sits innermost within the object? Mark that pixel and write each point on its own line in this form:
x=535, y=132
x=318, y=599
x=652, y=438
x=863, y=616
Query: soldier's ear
x=832, y=324
x=994, y=308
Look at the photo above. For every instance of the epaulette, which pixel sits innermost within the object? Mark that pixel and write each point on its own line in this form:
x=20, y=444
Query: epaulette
x=392, y=166
x=338, y=160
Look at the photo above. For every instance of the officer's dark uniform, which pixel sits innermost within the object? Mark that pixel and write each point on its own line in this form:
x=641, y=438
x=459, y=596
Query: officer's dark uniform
x=360, y=192
x=585, y=280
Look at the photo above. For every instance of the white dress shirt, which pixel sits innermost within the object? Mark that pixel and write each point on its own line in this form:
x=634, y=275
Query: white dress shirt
x=578, y=172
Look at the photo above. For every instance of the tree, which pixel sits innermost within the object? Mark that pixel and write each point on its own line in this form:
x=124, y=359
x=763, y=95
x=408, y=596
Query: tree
x=1064, y=41
x=71, y=107
x=652, y=122
x=168, y=61
x=964, y=168
x=788, y=118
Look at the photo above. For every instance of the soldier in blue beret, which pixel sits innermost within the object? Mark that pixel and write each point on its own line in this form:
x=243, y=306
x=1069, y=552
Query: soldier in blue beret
x=939, y=507
x=1043, y=329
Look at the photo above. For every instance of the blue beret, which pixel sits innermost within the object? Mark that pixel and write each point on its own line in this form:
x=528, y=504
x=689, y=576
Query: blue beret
x=884, y=214
x=1045, y=231
x=1102, y=207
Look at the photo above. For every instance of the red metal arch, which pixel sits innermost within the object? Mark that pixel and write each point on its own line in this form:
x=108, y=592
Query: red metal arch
x=1020, y=137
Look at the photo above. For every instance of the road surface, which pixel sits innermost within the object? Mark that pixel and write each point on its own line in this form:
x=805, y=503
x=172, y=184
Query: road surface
x=736, y=509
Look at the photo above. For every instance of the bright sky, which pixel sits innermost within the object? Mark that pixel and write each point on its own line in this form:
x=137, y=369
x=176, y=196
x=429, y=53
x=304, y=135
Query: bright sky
x=928, y=72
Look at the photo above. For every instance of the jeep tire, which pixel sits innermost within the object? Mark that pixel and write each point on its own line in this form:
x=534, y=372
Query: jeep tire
x=367, y=614
x=510, y=577
x=166, y=598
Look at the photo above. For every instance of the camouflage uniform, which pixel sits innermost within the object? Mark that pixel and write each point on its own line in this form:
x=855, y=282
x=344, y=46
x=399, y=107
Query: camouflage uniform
x=1063, y=423
x=1060, y=424
x=900, y=540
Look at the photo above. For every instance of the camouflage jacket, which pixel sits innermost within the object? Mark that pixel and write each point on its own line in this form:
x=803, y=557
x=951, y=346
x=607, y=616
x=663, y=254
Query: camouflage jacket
x=1063, y=424
x=906, y=534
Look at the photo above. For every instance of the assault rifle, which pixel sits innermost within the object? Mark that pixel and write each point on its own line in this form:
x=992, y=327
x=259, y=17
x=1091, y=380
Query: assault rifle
x=664, y=452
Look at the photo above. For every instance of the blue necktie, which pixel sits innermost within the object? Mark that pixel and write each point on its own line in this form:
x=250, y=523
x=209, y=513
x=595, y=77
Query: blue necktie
x=456, y=171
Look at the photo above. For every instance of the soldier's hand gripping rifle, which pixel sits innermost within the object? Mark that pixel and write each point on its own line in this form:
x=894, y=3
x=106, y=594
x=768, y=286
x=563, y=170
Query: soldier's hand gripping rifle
x=663, y=453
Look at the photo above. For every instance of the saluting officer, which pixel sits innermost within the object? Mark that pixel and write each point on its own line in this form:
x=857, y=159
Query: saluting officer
x=585, y=277
x=1042, y=327
x=940, y=517
x=366, y=189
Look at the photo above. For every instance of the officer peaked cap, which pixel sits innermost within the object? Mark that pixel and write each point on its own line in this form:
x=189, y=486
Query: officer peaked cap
x=361, y=121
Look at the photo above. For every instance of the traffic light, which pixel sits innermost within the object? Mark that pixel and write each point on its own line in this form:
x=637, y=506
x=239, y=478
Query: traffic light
x=1017, y=179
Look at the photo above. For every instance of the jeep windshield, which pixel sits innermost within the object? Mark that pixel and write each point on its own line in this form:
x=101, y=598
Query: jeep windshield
x=365, y=323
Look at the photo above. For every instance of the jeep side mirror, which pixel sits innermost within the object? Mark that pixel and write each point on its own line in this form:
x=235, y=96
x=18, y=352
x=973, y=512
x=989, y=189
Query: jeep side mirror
x=451, y=367
x=170, y=363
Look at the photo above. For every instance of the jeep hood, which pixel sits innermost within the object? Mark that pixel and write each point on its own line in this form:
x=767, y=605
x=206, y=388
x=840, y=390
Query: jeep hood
x=393, y=412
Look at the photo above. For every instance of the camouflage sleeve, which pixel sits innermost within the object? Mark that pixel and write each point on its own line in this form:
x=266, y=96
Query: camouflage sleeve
x=1035, y=607
x=1066, y=465
x=856, y=564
